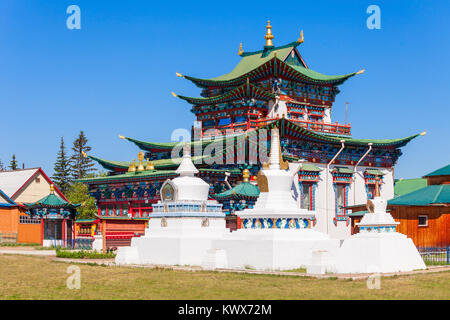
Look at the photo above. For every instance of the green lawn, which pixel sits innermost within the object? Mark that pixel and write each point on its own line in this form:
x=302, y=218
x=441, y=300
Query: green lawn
x=26, y=277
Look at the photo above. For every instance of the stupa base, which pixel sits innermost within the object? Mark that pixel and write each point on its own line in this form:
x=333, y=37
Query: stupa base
x=173, y=241
x=378, y=253
x=273, y=249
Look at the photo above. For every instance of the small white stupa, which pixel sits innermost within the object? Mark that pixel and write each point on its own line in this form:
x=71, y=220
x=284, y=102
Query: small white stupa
x=276, y=234
x=378, y=248
x=182, y=225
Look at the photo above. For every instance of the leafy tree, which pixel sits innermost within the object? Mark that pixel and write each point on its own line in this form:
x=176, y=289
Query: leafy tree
x=62, y=177
x=13, y=163
x=79, y=194
x=81, y=165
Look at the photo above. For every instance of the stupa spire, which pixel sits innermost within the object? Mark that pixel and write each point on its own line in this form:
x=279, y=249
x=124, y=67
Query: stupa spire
x=186, y=167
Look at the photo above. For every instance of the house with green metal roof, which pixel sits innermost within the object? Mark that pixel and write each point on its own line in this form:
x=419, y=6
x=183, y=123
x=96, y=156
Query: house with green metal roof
x=422, y=207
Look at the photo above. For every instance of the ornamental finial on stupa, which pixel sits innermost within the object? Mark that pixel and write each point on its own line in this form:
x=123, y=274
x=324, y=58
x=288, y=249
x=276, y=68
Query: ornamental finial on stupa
x=52, y=188
x=377, y=186
x=269, y=36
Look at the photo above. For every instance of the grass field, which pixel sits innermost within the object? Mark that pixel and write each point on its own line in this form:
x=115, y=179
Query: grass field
x=26, y=277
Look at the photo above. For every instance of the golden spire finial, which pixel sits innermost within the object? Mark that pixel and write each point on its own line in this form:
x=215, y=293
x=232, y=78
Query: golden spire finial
x=84, y=154
x=241, y=51
x=141, y=159
x=361, y=71
x=245, y=175
x=132, y=167
x=301, y=39
x=174, y=94
x=121, y=137
x=52, y=188
x=269, y=36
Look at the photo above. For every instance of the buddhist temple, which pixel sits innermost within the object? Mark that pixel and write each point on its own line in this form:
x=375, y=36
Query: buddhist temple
x=272, y=87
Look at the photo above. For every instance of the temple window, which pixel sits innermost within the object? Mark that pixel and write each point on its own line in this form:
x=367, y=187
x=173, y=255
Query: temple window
x=342, y=178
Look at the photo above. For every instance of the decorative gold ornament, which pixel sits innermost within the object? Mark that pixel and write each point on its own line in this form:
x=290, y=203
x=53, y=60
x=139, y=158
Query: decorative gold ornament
x=150, y=165
x=245, y=175
x=301, y=39
x=174, y=94
x=240, y=52
x=269, y=36
x=52, y=188
x=141, y=159
x=121, y=137
x=132, y=167
x=178, y=74
x=361, y=71
x=423, y=133
x=84, y=154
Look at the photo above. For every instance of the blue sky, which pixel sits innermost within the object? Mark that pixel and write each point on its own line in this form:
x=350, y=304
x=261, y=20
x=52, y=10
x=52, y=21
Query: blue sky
x=115, y=75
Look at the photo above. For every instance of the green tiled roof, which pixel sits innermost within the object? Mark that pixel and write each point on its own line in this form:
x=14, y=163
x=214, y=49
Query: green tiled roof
x=343, y=170
x=242, y=190
x=444, y=171
x=375, y=172
x=286, y=126
x=404, y=186
x=51, y=201
x=310, y=167
x=251, y=61
x=245, y=90
x=133, y=176
x=435, y=194
x=158, y=164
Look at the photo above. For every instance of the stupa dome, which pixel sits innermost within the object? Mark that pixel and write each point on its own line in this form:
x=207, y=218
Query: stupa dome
x=187, y=186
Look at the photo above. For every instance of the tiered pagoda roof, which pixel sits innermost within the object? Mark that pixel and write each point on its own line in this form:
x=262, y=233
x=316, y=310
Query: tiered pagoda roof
x=271, y=60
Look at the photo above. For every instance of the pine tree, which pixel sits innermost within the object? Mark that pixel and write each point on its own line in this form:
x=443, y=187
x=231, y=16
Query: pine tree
x=62, y=168
x=13, y=163
x=81, y=165
x=2, y=166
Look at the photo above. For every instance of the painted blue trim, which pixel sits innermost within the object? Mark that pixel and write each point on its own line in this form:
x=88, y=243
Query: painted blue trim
x=12, y=203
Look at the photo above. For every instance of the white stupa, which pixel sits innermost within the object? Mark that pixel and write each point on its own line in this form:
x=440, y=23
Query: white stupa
x=182, y=225
x=378, y=248
x=276, y=234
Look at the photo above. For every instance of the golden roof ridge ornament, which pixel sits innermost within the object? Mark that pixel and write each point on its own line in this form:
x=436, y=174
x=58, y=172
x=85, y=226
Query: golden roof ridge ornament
x=83, y=154
x=132, y=167
x=179, y=74
x=174, y=94
x=150, y=165
x=269, y=36
x=121, y=137
x=361, y=71
x=241, y=51
x=141, y=161
x=52, y=189
x=245, y=175
x=301, y=39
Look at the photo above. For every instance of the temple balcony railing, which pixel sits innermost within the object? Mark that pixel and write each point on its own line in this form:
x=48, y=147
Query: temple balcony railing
x=322, y=127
